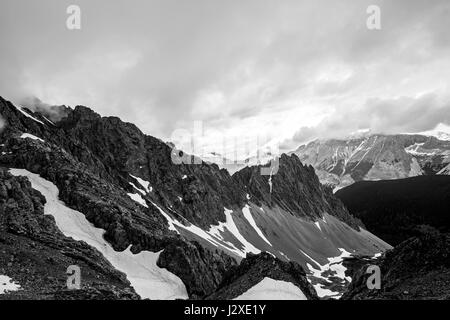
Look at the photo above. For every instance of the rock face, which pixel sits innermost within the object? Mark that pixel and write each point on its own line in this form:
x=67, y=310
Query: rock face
x=413, y=215
x=201, y=269
x=202, y=220
x=392, y=209
x=445, y=171
x=86, y=157
x=255, y=268
x=295, y=188
x=339, y=163
x=418, y=268
x=36, y=254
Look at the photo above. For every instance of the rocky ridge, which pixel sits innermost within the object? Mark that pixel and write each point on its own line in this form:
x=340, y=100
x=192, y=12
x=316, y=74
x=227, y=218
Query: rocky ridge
x=255, y=268
x=339, y=163
x=418, y=268
x=36, y=254
x=125, y=183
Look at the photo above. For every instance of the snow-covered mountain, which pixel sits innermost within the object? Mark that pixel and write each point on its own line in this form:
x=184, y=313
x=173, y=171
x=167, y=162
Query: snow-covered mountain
x=96, y=192
x=441, y=132
x=339, y=163
x=233, y=166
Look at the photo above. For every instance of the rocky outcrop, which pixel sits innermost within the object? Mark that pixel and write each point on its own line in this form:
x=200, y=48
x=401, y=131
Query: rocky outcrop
x=255, y=268
x=418, y=268
x=201, y=270
x=34, y=253
x=294, y=188
x=445, y=171
x=90, y=183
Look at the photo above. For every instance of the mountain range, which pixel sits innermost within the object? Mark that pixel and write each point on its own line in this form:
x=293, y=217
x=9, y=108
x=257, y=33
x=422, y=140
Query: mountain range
x=79, y=189
x=340, y=163
x=164, y=230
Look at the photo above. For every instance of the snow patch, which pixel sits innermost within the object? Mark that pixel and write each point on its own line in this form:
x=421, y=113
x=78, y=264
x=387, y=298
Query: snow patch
x=27, y=135
x=169, y=219
x=284, y=256
x=7, y=285
x=143, y=183
x=138, y=198
x=318, y=264
x=138, y=189
x=48, y=119
x=318, y=225
x=335, y=264
x=231, y=226
x=249, y=217
x=322, y=292
x=377, y=255
x=270, y=181
x=28, y=115
x=334, y=268
x=270, y=289
x=212, y=237
x=141, y=270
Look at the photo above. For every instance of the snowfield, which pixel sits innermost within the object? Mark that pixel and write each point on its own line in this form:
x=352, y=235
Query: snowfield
x=249, y=217
x=6, y=284
x=148, y=280
x=213, y=236
x=232, y=228
x=138, y=198
x=270, y=289
x=334, y=268
x=143, y=183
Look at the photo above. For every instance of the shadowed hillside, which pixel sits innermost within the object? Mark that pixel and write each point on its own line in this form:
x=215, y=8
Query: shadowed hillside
x=392, y=209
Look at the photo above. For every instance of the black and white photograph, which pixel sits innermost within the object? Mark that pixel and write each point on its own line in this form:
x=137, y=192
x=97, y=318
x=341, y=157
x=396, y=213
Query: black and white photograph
x=224, y=154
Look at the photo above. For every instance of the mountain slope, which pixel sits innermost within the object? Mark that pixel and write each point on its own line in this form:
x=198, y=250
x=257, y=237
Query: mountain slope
x=36, y=255
x=339, y=163
x=416, y=269
x=198, y=219
x=445, y=171
x=240, y=281
x=392, y=209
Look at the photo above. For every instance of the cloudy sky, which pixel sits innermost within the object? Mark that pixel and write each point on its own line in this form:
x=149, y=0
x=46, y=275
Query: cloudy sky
x=287, y=71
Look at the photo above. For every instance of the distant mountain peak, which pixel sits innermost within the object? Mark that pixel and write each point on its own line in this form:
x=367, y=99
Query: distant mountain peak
x=360, y=133
x=441, y=132
x=340, y=162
